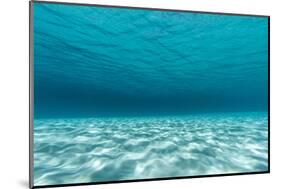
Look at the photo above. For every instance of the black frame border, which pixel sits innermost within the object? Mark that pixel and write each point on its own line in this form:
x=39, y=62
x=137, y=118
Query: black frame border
x=31, y=99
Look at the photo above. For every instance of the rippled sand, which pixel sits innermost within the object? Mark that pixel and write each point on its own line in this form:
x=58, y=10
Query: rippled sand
x=108, y=149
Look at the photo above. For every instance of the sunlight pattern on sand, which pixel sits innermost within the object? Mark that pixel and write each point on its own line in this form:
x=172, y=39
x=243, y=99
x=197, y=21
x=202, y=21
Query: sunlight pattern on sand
x=107, y=149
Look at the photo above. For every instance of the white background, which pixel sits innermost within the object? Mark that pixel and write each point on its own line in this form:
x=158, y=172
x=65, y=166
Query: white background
x=14, y=93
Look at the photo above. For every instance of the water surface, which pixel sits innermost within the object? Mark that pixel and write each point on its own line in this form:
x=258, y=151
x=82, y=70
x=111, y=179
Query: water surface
x=134, y=94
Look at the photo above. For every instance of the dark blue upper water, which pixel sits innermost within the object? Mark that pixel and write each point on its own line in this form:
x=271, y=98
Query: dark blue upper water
x=94, y=61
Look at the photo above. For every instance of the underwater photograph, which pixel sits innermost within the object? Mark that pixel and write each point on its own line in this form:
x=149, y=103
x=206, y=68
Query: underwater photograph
x=125, y=94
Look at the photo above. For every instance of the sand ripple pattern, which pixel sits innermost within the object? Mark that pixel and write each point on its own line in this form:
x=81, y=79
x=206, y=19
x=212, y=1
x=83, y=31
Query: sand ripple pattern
x=108, y=149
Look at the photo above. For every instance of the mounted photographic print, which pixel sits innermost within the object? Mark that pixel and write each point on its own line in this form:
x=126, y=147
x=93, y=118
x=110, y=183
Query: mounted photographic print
x=122, y=94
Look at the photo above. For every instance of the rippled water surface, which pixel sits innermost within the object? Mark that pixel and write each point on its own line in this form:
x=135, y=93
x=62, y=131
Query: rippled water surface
x=103, y=149
x=132, y=94
x=93, y=61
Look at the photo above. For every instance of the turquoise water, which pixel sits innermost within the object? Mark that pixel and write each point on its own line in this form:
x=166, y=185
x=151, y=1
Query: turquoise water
x=134, y=94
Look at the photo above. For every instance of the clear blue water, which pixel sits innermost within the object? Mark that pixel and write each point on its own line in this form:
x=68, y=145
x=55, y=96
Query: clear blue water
x=133, y=94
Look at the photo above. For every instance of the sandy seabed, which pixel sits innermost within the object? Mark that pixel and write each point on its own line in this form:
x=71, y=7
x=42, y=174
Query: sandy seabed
x=109, y=149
